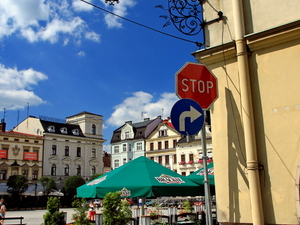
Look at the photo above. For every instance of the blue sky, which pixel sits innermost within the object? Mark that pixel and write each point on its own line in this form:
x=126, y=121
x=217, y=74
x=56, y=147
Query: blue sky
x=62, y=57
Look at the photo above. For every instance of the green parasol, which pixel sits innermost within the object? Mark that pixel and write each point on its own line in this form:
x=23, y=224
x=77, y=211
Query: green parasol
x=198, y=176
x=140, y=177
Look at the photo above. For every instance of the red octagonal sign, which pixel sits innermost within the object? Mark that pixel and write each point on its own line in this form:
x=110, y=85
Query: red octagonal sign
x=195, y=81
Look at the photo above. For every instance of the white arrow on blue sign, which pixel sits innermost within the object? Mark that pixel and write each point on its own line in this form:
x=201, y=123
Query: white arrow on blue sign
x=187, y=116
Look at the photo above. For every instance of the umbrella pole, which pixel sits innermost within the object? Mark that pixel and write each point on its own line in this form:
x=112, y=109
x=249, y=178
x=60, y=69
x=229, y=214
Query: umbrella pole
x=206, y=181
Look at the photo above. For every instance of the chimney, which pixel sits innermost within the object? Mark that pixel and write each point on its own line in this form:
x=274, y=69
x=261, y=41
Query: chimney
x=2, y=125
x=146, y=119
x=128, y=122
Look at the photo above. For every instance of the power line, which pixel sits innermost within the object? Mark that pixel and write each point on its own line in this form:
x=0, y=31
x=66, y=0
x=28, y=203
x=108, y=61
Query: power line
x=142, y=25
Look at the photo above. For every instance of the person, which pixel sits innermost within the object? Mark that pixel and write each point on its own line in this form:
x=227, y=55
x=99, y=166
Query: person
x=140, y=202
x=92, y=211
x=2, y=211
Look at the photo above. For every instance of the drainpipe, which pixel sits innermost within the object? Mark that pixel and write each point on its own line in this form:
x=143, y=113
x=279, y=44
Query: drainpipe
x=247, y=115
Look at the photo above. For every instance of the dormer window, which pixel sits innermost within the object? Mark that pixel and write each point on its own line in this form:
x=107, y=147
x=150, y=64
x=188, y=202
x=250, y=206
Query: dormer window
x=75, y=132
x=51, y=129
x=64, y=130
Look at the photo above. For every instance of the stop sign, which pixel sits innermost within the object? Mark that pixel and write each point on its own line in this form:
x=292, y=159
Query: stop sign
x=195, y=81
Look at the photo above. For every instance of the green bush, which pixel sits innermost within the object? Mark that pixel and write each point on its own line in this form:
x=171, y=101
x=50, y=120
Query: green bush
x=116, y=211
x=80, y=216
x=53, y=216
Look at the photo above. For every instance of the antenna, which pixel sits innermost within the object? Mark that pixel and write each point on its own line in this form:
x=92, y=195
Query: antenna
x=4, y=114
x=27, y=109
x=142, y=115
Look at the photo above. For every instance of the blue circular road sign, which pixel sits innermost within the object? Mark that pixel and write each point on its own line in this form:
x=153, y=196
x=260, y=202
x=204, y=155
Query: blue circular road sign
x=187, y=116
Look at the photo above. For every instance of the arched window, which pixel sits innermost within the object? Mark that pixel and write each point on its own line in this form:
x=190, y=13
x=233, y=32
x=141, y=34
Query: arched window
x=78, y=170
x=94, y=129
x=93, y=170
x=53, y=170
x=67, y=170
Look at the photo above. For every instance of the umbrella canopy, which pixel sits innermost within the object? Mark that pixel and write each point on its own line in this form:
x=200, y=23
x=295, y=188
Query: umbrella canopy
x=198, y=176
x=140, y=177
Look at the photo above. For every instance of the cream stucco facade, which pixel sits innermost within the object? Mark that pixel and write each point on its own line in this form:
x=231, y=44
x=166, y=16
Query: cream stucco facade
x=21, y=154
x=189, y=153
x=161, y=145
x=67, y=149
x=256, y=119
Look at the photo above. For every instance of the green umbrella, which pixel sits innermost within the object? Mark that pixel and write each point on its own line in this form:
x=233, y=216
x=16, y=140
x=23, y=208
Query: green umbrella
x=140, y=177
x=198, y=176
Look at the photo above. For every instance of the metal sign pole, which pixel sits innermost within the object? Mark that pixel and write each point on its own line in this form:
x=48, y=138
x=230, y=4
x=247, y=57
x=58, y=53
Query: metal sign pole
x=206, y=181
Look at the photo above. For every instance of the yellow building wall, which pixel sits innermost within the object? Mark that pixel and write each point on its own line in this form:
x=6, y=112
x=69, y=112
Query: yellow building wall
x=274, y=72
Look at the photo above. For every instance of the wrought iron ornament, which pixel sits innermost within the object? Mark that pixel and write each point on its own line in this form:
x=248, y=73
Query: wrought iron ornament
x=186, y=15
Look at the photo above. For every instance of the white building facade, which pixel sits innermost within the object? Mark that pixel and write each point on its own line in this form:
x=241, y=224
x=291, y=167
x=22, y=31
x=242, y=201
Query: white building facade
x=71, y=148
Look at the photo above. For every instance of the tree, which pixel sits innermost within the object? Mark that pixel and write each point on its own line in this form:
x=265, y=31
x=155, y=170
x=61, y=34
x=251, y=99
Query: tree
x=48, y=184
x=17, y=184
x=116, y=211
x=72, y=183
x=80, y=215
x=96, y=175
x=53, y=216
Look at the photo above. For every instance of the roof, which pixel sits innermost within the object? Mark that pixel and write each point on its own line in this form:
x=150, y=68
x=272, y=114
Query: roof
x=84, y=112
x=68, y=128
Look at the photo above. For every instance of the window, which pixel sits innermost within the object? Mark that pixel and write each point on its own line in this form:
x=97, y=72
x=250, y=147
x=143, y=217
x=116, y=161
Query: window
x=37, y=154
x=183, y=173
x=151, y=146
x=152, y=158
x=167, y=160
x=124, y=161
x=94, y=129
x=129, y=147
x=24, y=154
x=175, y=159
x=53, y=170
x=116, y=149
x=159, y=145
x=191, y=157
x=25, y=173
x=93, y=154
x=124, y=147
x=174, y=143
x=66, y=170
x=117, y=163
x=182, y=158
x=139, y=146
x=3, y=174
x=78, y=151
x=162, y=133
x=51, y=129
x=78, y=170
x=166, y=144
x=93, y=170
x=160, y=159
x=64, y=130
x=53, y=149
x=75, y=132
x=127, y=135
x=66, y=150
x=35, y=175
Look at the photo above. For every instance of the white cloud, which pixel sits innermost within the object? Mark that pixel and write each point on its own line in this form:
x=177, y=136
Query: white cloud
x=40, y=20
x=131, y=108
x=81, y=54
x=119, y=9
x=82, y=6
x=16, y=85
